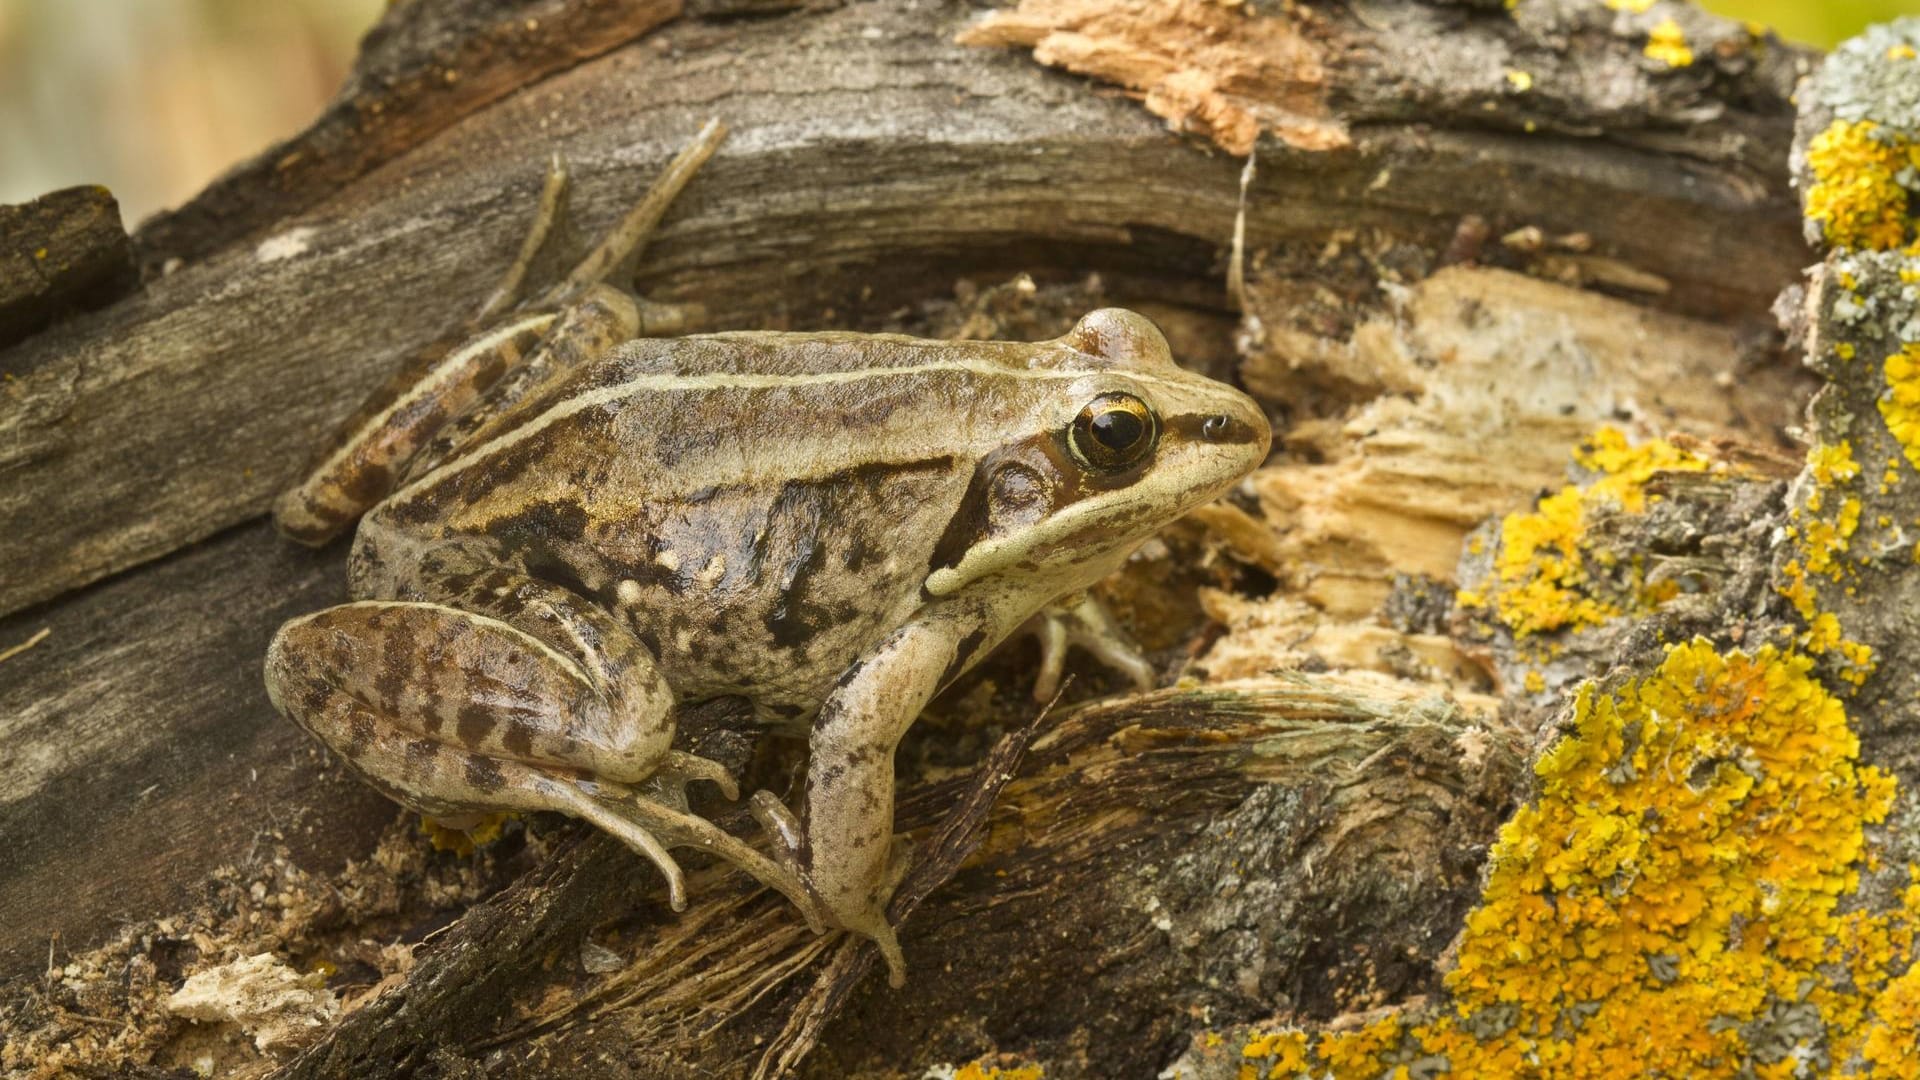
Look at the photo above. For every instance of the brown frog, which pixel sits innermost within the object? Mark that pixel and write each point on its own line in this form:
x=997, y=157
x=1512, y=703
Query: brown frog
x=570, y=526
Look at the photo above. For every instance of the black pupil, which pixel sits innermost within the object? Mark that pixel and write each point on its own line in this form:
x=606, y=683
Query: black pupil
x=1117, y=429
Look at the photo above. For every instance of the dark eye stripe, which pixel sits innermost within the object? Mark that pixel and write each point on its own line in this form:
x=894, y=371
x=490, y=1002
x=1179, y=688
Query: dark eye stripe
x=1216, y=428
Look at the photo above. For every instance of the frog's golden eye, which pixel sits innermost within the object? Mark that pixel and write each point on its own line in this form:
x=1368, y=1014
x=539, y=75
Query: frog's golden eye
x=1114, y=432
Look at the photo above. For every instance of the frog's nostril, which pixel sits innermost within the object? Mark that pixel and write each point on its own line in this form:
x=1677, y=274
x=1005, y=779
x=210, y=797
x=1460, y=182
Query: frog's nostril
x=1214, y=428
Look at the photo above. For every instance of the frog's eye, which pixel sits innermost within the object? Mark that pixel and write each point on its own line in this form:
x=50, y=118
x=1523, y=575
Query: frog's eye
x=1114, y=432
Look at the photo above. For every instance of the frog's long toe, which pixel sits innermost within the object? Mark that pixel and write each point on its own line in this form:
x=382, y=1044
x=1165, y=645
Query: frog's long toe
x=686, y=768
x=571, y=800
x=678, y=828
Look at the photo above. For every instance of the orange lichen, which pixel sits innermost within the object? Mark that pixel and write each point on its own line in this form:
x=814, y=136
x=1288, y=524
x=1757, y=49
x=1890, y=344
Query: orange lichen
x=1825, y=522
x=463, y=841
x=1856, y=195
x=1543, y=577
x=1672, y=905
x=1272, y=1055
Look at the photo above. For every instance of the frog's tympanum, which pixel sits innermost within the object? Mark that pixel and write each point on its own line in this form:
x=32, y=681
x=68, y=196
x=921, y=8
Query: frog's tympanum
x=570, y=526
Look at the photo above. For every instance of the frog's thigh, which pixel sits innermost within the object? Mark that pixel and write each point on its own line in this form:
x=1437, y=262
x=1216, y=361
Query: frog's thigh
x=360, y=466
x=423, y=696
x=601, y=318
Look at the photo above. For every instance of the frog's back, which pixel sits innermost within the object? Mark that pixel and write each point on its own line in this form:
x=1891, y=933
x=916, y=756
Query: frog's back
x=762, y=506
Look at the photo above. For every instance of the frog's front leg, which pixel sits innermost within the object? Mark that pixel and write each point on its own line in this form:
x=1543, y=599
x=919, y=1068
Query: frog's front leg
x=500, y=692
x=1081, y=619
x=844, y=849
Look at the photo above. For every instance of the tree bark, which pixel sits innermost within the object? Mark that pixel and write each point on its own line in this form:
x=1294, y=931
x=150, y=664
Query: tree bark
x=1418, y=218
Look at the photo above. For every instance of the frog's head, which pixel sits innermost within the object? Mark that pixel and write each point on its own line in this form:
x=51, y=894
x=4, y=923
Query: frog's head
x=1115, y=442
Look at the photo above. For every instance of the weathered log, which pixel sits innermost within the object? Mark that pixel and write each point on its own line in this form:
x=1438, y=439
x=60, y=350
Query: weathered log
x=182, y=411
x=873, y=161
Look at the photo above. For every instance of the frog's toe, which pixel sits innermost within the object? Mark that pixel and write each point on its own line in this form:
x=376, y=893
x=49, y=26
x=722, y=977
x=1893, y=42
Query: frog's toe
x=598, y=812
x=690, y=767
x=1083, y=621
x=882, y=934
x=785, y=837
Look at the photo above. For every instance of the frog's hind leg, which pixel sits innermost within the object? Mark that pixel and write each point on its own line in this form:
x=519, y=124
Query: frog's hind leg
x=368, y=454
x=623, y=244
x=361, y=463
x=494, y=691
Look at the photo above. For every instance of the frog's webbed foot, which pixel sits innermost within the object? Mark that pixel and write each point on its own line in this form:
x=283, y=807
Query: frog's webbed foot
x=1084, y=621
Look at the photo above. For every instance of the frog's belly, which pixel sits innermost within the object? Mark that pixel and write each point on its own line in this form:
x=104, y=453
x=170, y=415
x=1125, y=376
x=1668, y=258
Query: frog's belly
x=771, y=597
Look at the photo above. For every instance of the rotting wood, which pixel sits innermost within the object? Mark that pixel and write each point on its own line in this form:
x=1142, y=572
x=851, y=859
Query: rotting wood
x=61, y=252
x=1240, y=817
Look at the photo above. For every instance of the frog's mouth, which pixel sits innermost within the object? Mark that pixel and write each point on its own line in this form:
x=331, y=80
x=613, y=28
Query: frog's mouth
x=1203, y=455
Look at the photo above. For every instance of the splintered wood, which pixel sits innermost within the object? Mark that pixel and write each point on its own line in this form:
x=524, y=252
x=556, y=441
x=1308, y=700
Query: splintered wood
x=1460, y=398
x=1204, y=67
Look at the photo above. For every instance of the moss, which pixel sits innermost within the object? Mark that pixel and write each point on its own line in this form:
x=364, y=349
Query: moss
x=1679, y=901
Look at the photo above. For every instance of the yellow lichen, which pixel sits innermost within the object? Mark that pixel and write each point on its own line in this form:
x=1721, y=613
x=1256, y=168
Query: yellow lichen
x=1672, y=905
x=1900, y=405
x=1667, y=43
x=1855, y=195
x=463, y=841
x=1543, y=576
x=1636, y=7
x=974, y=1070
x=1275, y=1055
x=1520, y=80
x=1824, y=525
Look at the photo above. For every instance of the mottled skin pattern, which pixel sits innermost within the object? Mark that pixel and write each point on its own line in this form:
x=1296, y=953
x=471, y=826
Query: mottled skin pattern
x=832, y=526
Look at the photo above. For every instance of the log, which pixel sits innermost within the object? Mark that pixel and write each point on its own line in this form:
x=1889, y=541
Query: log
x=1246, y=844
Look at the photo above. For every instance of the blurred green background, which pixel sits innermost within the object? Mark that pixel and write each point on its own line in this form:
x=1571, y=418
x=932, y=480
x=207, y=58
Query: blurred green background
x=156, y=97
x=1823, y=24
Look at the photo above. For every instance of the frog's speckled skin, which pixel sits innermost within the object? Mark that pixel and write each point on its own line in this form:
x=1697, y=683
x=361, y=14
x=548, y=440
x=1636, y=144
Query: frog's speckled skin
x=832, y=526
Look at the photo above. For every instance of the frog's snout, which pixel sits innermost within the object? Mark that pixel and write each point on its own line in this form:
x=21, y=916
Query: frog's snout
x=1226, y=429
x=1231, y=426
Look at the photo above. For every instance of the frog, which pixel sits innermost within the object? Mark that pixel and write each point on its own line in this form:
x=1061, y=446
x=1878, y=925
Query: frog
x=576, y=519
